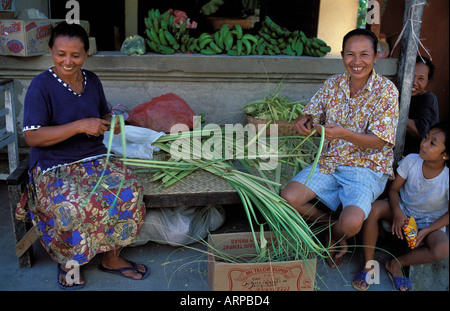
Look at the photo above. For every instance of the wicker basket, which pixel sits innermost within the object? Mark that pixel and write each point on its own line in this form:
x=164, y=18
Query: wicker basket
x=285, y=128
x=218, y=22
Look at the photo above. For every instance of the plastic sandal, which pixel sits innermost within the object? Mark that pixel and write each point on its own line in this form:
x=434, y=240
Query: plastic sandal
x=66, y=287
x=121, y=270
x=360, y=276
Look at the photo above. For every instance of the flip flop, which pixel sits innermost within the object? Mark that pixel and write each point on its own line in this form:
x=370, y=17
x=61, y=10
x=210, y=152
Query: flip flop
x=121, y=270
x=66, y=287
x=399, y=281
x=360, y=276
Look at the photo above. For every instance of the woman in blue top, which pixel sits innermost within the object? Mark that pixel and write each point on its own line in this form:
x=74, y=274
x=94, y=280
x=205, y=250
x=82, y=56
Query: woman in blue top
x=81, y=204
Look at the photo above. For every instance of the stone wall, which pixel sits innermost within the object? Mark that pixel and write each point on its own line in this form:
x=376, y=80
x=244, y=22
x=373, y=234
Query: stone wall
x=218, y=86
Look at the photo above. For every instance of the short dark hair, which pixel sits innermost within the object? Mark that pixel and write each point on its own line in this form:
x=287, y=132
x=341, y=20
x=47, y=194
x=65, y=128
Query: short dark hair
x=443, y=126
x=362, y=32
x=428, y=63
x=69, y=30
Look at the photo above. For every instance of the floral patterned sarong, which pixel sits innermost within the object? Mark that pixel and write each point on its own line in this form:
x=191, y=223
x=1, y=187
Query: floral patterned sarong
x=77, y=216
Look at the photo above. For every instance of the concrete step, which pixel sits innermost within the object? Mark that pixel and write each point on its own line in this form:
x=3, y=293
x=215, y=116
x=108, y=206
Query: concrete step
x=430, y=277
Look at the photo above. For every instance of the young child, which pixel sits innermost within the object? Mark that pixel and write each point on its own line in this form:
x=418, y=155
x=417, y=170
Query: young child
x=420, y=190
x=423, y=109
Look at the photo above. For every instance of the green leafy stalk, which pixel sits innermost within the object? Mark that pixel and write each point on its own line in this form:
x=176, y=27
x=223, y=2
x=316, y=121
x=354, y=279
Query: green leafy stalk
x=293, y=237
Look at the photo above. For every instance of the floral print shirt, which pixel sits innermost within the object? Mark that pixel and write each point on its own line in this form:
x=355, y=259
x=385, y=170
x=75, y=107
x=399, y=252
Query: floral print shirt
x=374, y=109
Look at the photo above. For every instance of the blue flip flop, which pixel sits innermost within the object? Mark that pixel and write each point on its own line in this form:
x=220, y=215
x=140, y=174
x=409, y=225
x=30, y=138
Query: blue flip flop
x=66, y=287
x=399, y=281
x=121, y=270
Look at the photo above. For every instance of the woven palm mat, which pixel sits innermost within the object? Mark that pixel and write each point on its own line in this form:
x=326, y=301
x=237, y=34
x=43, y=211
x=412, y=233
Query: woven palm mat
x=199, y=181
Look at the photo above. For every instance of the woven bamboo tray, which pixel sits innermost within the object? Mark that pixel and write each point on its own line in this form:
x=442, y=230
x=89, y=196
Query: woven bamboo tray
x=197, y=189
x=218, y=22
x=285, y=128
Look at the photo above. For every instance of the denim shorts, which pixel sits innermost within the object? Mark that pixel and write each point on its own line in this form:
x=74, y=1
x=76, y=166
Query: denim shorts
x=348, y=185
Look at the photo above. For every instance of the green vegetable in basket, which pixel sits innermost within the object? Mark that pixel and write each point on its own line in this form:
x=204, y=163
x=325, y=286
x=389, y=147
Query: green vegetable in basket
x=274, y=107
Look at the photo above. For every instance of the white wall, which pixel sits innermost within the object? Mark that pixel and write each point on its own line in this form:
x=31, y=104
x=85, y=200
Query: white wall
x=41, y=5
x=336, y=18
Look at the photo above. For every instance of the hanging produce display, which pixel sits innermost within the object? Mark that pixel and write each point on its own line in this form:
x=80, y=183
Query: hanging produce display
x=165, y=36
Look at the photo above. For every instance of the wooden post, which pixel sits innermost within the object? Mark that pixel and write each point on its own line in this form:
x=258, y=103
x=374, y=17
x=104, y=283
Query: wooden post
x=406, y=66
x=131, y=20
x=8, y=135
x=16, y=184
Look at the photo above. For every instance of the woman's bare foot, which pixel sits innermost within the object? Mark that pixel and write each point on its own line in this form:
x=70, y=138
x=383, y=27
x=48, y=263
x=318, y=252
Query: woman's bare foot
x=336, y=251
x=361, y=284
x=68, y=277
x=111, y=260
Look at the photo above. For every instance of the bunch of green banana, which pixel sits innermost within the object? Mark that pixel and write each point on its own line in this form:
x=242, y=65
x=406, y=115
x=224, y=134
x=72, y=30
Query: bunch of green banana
x=315, y=47
x=295, y=46
x=294, y=43
x=226, y=41
x=248, y=45
x=239, y=44
x=207, y=44
x=163, y=35
x=276, y=37
x=211, y=7
x=233, y=41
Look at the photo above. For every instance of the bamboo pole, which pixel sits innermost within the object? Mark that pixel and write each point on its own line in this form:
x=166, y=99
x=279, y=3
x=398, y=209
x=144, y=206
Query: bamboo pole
x=405, y=73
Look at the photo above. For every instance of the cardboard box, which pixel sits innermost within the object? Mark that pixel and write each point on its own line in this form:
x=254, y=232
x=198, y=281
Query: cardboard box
x=296, y=275
x=27, y=37
x=7, y=5
x=6, y=15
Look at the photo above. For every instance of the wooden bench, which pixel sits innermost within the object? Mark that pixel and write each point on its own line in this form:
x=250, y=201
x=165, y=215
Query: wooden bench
x=197, y=189
x=8, y=132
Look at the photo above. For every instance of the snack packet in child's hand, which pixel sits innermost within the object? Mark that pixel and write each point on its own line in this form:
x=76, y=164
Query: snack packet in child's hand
x=410, y=229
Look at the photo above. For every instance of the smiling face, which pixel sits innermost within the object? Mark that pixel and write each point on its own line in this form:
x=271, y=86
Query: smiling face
x=359, y=57
x=68, y=55
x=420, y=79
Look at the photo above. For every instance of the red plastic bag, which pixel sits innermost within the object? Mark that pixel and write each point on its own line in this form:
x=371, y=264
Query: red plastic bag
x=161, y=113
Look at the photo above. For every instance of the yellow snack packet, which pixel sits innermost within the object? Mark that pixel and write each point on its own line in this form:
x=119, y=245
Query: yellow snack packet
x=410, y=230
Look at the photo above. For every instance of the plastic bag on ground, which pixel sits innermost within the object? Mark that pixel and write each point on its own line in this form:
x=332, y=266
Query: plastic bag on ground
x=139, y=142
x=161, y=113
x=178, y=226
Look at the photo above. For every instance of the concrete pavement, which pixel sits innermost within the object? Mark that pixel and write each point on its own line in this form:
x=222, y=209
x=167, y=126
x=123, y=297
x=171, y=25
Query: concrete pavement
x=172, y=268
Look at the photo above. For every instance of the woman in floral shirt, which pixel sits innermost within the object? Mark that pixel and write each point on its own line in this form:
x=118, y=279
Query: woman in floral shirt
x=358, y=110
